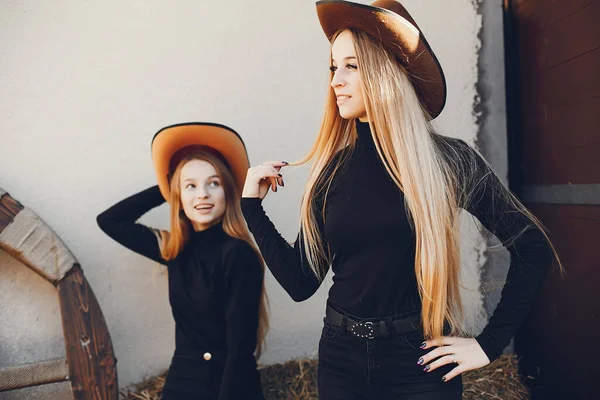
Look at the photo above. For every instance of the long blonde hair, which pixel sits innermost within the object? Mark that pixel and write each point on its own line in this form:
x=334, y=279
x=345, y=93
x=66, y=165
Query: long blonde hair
x=410, y=151
x=172, y=242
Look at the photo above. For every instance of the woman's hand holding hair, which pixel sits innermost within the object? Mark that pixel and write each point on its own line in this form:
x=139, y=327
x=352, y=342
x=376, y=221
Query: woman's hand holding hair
x=262, y=177
x=465, y=353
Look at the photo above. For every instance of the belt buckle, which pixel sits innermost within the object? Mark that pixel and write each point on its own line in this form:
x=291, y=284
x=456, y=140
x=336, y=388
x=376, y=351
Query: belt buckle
x=363, y=330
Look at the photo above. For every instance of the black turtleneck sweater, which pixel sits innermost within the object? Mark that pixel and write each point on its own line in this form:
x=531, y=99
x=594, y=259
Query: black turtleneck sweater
x=366, y=228
x=214, y=289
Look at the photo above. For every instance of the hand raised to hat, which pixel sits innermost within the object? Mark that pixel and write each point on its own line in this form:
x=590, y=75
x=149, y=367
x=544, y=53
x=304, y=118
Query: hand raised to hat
x=465, y=353
x=262, y=177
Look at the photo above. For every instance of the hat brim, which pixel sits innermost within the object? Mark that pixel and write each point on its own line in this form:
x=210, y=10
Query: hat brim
x=224, y=140
x=399, y=33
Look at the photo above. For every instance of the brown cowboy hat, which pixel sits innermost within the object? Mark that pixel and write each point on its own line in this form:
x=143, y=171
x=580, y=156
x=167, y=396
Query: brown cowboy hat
x=390, y=23
x=221, y=139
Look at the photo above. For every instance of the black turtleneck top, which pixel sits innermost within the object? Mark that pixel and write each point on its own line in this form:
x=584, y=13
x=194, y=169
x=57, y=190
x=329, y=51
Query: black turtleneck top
x=214, y=289
x=366, y=228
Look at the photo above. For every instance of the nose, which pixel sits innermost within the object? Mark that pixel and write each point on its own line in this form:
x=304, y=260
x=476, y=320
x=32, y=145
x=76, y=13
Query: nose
x=337, y=80
x=203, y=192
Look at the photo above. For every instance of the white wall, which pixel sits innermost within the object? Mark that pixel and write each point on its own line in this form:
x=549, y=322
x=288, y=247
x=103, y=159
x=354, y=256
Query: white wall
x=85, y=85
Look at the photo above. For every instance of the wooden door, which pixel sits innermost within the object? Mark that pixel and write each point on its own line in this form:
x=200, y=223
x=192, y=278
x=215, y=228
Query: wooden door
x=553, y=103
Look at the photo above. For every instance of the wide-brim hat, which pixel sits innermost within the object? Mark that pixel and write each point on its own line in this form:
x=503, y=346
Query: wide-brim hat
x=390, y=23
x=223, y=140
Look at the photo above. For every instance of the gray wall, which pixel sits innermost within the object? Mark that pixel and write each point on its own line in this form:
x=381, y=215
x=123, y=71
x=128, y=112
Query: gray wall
x=492, y=137
x=84, y=86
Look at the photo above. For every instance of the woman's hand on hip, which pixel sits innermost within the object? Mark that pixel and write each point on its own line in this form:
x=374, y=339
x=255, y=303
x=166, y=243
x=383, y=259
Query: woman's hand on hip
x=262, y=177
x=465, y=353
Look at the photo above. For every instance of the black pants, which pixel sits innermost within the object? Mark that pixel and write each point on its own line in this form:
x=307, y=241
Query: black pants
x=384, y=368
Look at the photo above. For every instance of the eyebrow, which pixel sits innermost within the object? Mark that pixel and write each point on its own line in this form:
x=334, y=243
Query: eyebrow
x=345, y=58
x=194, y=179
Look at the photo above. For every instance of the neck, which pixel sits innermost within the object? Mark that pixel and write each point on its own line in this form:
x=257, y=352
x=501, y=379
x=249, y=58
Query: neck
x=365, y=139
x=204, y=232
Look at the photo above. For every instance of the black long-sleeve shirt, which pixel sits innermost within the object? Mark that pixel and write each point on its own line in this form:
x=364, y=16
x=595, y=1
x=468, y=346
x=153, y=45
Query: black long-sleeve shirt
x=214, y=290
x=366, y=228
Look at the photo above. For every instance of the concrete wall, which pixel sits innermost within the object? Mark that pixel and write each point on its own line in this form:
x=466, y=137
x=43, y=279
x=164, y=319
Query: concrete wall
x=492, y=138
x=84, y=86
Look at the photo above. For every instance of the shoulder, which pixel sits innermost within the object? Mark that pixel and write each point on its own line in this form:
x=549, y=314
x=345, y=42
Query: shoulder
x=233, y=245
x=335, y=160
x=461, y=157
x=453, y=148
x=332, y=168
x=470, y=172
x=240, y=257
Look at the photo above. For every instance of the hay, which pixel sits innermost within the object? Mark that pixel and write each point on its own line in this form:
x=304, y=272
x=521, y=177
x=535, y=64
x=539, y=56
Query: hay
x=294, y=380
x=499, y=380
x=148, y=389
x=297, y=380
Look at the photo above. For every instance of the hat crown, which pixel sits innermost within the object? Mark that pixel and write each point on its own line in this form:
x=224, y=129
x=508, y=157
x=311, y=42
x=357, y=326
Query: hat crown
x=395, y=7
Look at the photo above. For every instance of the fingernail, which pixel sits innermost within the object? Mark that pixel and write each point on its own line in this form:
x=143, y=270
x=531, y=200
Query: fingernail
x=279, y=174
x=423, y=345
x=420, y=361
x=443, y=379
x=282, y=184
x=426, y=369
x=285, y=162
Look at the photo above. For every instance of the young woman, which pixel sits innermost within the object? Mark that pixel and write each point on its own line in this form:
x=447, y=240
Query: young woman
x=215, y=273
x=381, y=209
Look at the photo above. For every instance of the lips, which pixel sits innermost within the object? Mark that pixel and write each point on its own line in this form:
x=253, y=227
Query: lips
x=204, y=207
x=342, y=98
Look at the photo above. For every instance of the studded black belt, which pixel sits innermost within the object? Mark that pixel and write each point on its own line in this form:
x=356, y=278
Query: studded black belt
x=368, y=329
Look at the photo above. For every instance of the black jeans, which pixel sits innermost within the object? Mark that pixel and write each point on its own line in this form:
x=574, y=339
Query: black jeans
x=383, y=368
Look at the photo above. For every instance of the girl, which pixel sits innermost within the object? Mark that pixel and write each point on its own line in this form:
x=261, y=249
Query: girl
x=381, y=209
x=215, y=273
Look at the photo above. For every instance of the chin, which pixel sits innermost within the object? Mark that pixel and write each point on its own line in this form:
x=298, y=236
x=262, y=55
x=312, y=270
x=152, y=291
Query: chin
x=345, y=115
x=349, y=114
x=207, y=221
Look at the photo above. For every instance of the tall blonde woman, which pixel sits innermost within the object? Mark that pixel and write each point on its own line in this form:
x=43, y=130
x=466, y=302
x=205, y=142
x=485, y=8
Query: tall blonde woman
x=380, y=208
x=215, y=272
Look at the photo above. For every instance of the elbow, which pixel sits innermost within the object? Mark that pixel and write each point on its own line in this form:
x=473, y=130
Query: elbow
x=544, y=247
x=102, y=221
x=105, y=222
x=550, y=257
x=536, y=250
x=299, y=297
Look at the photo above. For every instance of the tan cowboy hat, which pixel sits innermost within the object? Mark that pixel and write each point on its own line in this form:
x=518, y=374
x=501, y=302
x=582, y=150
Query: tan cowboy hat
x=168, y=142
x=389, y=22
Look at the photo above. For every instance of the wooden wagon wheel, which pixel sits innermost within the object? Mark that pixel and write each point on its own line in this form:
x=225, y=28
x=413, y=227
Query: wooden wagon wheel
x=89, y=365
